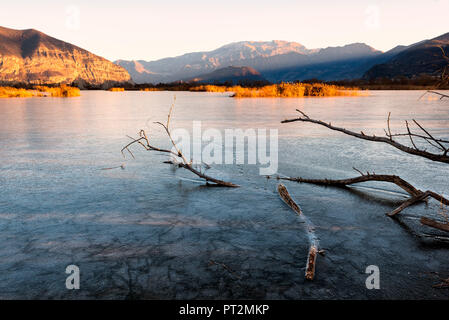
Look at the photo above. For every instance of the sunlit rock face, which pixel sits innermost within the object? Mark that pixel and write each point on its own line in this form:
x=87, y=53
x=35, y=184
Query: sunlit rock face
x=34, y=57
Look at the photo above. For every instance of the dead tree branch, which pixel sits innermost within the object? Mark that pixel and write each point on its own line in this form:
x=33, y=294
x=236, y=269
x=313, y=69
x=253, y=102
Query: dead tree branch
x=313, y=240
x=144, y=141
x=416, y=195
x=414, y=150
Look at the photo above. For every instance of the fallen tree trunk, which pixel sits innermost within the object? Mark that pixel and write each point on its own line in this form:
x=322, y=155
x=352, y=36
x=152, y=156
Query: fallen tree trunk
x=407, y=187
x=416, y=195
x=313, y=240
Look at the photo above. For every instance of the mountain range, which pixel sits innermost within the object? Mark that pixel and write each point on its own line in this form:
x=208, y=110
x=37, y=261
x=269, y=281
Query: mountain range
x=33, y=57
x=30, y=56
x=279, y=61
x=273, y=60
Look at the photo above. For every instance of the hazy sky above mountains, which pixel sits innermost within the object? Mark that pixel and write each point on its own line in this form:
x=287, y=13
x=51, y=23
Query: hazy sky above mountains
x=151, y=30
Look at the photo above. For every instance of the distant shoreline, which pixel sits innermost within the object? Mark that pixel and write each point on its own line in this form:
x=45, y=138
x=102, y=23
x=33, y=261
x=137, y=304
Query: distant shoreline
x=402, y=84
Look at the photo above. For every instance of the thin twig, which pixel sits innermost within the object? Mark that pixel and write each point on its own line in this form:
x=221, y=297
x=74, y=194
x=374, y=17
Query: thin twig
x=430, y=136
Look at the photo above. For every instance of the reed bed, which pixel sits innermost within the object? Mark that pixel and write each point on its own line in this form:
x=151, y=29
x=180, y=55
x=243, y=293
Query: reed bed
x=284, y=90
x=63, y=91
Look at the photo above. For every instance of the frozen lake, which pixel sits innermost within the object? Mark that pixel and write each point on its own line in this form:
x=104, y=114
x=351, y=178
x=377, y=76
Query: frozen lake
x=148, y=231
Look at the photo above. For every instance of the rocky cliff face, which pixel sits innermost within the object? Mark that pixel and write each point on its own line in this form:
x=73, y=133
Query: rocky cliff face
x=34, y=57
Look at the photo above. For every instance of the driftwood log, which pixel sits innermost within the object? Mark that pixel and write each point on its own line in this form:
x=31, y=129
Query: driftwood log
x=313, y=240
x=144, y=141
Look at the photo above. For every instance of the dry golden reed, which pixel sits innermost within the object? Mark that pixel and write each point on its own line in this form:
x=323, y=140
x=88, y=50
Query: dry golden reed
x=63, y=91
x=283, y=90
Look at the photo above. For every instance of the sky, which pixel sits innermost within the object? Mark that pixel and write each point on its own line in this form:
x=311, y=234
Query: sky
x=150, y=30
